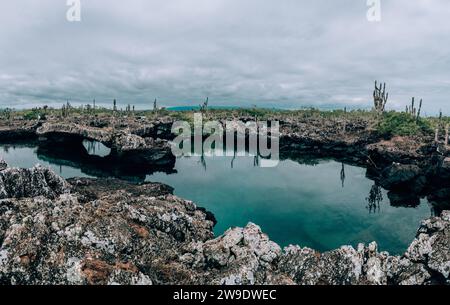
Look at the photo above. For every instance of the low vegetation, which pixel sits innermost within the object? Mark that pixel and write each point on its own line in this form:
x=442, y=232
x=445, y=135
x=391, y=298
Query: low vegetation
x=388, y=124
x=403, y=124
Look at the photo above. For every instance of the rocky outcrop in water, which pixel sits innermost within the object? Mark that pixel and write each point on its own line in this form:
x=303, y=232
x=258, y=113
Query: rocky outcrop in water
x=138, y=151
x=126, y=147
x=103, y=135
x=15, y=131
x=85, y=231
x=400, y=176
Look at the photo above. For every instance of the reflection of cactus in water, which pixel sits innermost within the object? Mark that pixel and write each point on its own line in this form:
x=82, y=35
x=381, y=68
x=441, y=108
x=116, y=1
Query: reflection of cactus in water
x=343, y=175
x=256, y=161
x=234, y=158
x=374, y=199
x=203, y=161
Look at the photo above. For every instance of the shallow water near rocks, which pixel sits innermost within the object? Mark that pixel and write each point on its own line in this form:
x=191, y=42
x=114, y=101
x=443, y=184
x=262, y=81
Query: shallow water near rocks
x=311, y=205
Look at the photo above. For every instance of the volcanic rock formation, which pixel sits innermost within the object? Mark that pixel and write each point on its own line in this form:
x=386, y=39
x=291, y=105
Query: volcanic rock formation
x=87, y=231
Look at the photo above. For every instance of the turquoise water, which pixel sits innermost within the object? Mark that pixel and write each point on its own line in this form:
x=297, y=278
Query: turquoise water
x=26, y=156
x=308, y=205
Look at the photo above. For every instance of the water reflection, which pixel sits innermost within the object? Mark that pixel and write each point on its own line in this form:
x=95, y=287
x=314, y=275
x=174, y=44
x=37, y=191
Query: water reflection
x=343, y=175
x=313, y=202
x=95, y=148
x=6, y=148
x=374, y=199
x=256, y=161
x=296, y=203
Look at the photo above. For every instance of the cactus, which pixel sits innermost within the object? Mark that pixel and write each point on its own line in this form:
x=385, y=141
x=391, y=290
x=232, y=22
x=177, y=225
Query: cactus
x=413, y=111
x=7, y=113
x=419, y=110
x=204, y=107
x=438, y=127
x=65, y=110
x=344, y=128
x=380, y=97
x=446, y=135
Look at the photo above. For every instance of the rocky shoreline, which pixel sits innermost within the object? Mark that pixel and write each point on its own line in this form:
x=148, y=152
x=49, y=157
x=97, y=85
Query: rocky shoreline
x=106, y=231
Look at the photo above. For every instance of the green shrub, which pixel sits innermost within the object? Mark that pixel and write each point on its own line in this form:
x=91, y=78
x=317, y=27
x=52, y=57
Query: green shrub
x=34, y=114
x=403, y=124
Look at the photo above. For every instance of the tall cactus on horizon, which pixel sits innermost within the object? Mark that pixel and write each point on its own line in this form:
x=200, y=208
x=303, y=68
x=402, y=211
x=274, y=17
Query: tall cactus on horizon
x=204, y=107
x=419, y=110
x=380, y=97
x=413, y=111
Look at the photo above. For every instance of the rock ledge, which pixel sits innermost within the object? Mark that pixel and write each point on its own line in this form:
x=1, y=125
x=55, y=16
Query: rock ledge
x=85, y=231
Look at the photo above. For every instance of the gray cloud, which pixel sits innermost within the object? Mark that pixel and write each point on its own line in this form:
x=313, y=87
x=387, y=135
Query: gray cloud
x=286, y=53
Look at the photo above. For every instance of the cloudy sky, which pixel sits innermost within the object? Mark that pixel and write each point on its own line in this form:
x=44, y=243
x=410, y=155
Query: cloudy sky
x=276, y=53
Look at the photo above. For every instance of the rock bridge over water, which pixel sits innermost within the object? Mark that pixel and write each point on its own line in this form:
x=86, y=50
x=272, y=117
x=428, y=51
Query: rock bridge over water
x=127, y=147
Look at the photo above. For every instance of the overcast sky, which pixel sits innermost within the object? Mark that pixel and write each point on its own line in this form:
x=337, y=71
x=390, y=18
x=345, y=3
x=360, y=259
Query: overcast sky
x=277, y=53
